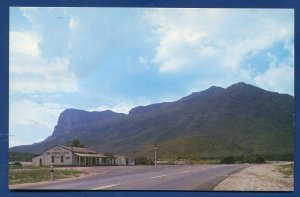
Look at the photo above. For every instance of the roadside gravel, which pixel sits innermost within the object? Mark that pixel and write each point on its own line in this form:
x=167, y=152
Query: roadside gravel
x=260, y=177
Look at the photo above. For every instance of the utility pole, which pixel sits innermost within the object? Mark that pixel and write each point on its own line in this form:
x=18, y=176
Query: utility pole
x=155, y=147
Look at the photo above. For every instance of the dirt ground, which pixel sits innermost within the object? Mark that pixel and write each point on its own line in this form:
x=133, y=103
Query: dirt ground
x=260, y=177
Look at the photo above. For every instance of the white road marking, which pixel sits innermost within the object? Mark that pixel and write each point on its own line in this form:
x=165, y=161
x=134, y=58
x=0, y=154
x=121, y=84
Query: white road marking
x=155, y=177
x=187, y=171
x=105, y=186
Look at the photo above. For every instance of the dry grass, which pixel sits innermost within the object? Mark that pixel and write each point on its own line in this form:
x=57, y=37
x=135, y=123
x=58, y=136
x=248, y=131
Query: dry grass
x=38, y=174
x=287, y=169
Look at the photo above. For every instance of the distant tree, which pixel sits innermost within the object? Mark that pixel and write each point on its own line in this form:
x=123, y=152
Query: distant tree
x=16, y=156
x=143, y=161
x=259, y=159
x=75, y=143
x=108, y=160
x=18, y=164
x=228, y=160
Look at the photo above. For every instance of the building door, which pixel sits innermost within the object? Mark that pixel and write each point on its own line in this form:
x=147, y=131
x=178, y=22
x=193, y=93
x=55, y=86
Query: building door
x=41, y=162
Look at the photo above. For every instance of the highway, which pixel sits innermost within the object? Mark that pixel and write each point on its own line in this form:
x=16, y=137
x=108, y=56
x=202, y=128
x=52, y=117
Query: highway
x=175, y=177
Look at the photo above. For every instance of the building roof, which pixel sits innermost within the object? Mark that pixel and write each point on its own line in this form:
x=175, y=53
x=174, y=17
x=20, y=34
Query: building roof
x=79, y=150
x=89, y=155
x=119, y=155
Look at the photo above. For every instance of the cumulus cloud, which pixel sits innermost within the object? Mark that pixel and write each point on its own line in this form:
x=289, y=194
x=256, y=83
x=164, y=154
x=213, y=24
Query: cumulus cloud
x=28, y=120
x=283, y=74
x=46, y=75
x=217, y=32
x=278, y=77
x=32, y=68
x=174, y=47
x=214, y=41
x=24, y=43
x=122, y=107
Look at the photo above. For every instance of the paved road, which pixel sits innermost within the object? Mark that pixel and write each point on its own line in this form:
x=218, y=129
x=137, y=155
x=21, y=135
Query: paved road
x=194, y=177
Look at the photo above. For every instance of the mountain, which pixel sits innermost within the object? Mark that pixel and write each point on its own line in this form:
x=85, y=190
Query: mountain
x=241, y=119
x=72, y=119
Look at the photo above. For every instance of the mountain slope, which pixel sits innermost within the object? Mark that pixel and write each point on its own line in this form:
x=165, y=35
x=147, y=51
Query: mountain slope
x=241, y=119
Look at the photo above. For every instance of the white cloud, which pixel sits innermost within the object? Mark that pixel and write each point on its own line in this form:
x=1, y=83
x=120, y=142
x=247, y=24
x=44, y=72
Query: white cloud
x=31, y=121
x=123, y=107
x=15, y=141
x=30, y=72
x=227, y=35
x=24, y=43
x=277, y=78
x=143, y=61
x=26, y=11
x=72, y=24
x=175, y=44
x=213, y=31
x=219, y=42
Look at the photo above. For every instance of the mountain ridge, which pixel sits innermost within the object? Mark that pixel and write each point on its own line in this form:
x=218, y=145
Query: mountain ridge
x=240, y=119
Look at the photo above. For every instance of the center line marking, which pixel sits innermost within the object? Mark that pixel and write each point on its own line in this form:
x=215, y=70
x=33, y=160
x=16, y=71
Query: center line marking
x=154, y=177
x=106, y=186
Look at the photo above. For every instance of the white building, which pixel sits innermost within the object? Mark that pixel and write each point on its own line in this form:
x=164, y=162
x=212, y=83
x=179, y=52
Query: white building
x=75, y=156
x=64, y=156
x=119, y=160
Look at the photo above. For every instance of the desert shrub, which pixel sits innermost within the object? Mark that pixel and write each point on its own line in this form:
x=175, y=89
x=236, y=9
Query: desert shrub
x=228, y=160
x=253, y=159
x=243, y=159
x=143, y=161
x=279, y=157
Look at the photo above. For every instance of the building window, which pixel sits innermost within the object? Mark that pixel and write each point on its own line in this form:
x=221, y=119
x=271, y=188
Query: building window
x=62, y=159
x=52, y=159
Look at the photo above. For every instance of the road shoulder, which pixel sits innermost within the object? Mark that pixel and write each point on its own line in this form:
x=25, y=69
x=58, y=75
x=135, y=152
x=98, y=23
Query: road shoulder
x=259, y=177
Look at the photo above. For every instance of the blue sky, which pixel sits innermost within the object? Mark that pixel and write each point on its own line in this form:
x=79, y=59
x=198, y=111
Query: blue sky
x=118, y=58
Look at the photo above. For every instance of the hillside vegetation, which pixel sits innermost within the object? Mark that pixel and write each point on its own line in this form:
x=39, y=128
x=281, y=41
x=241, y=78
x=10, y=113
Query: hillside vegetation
x=15, y=156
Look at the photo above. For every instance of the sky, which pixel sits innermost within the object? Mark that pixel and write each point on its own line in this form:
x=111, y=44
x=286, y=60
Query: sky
x=115, y=59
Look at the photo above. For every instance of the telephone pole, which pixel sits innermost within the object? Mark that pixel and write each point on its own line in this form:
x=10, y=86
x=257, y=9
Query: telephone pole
x=155, y=147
